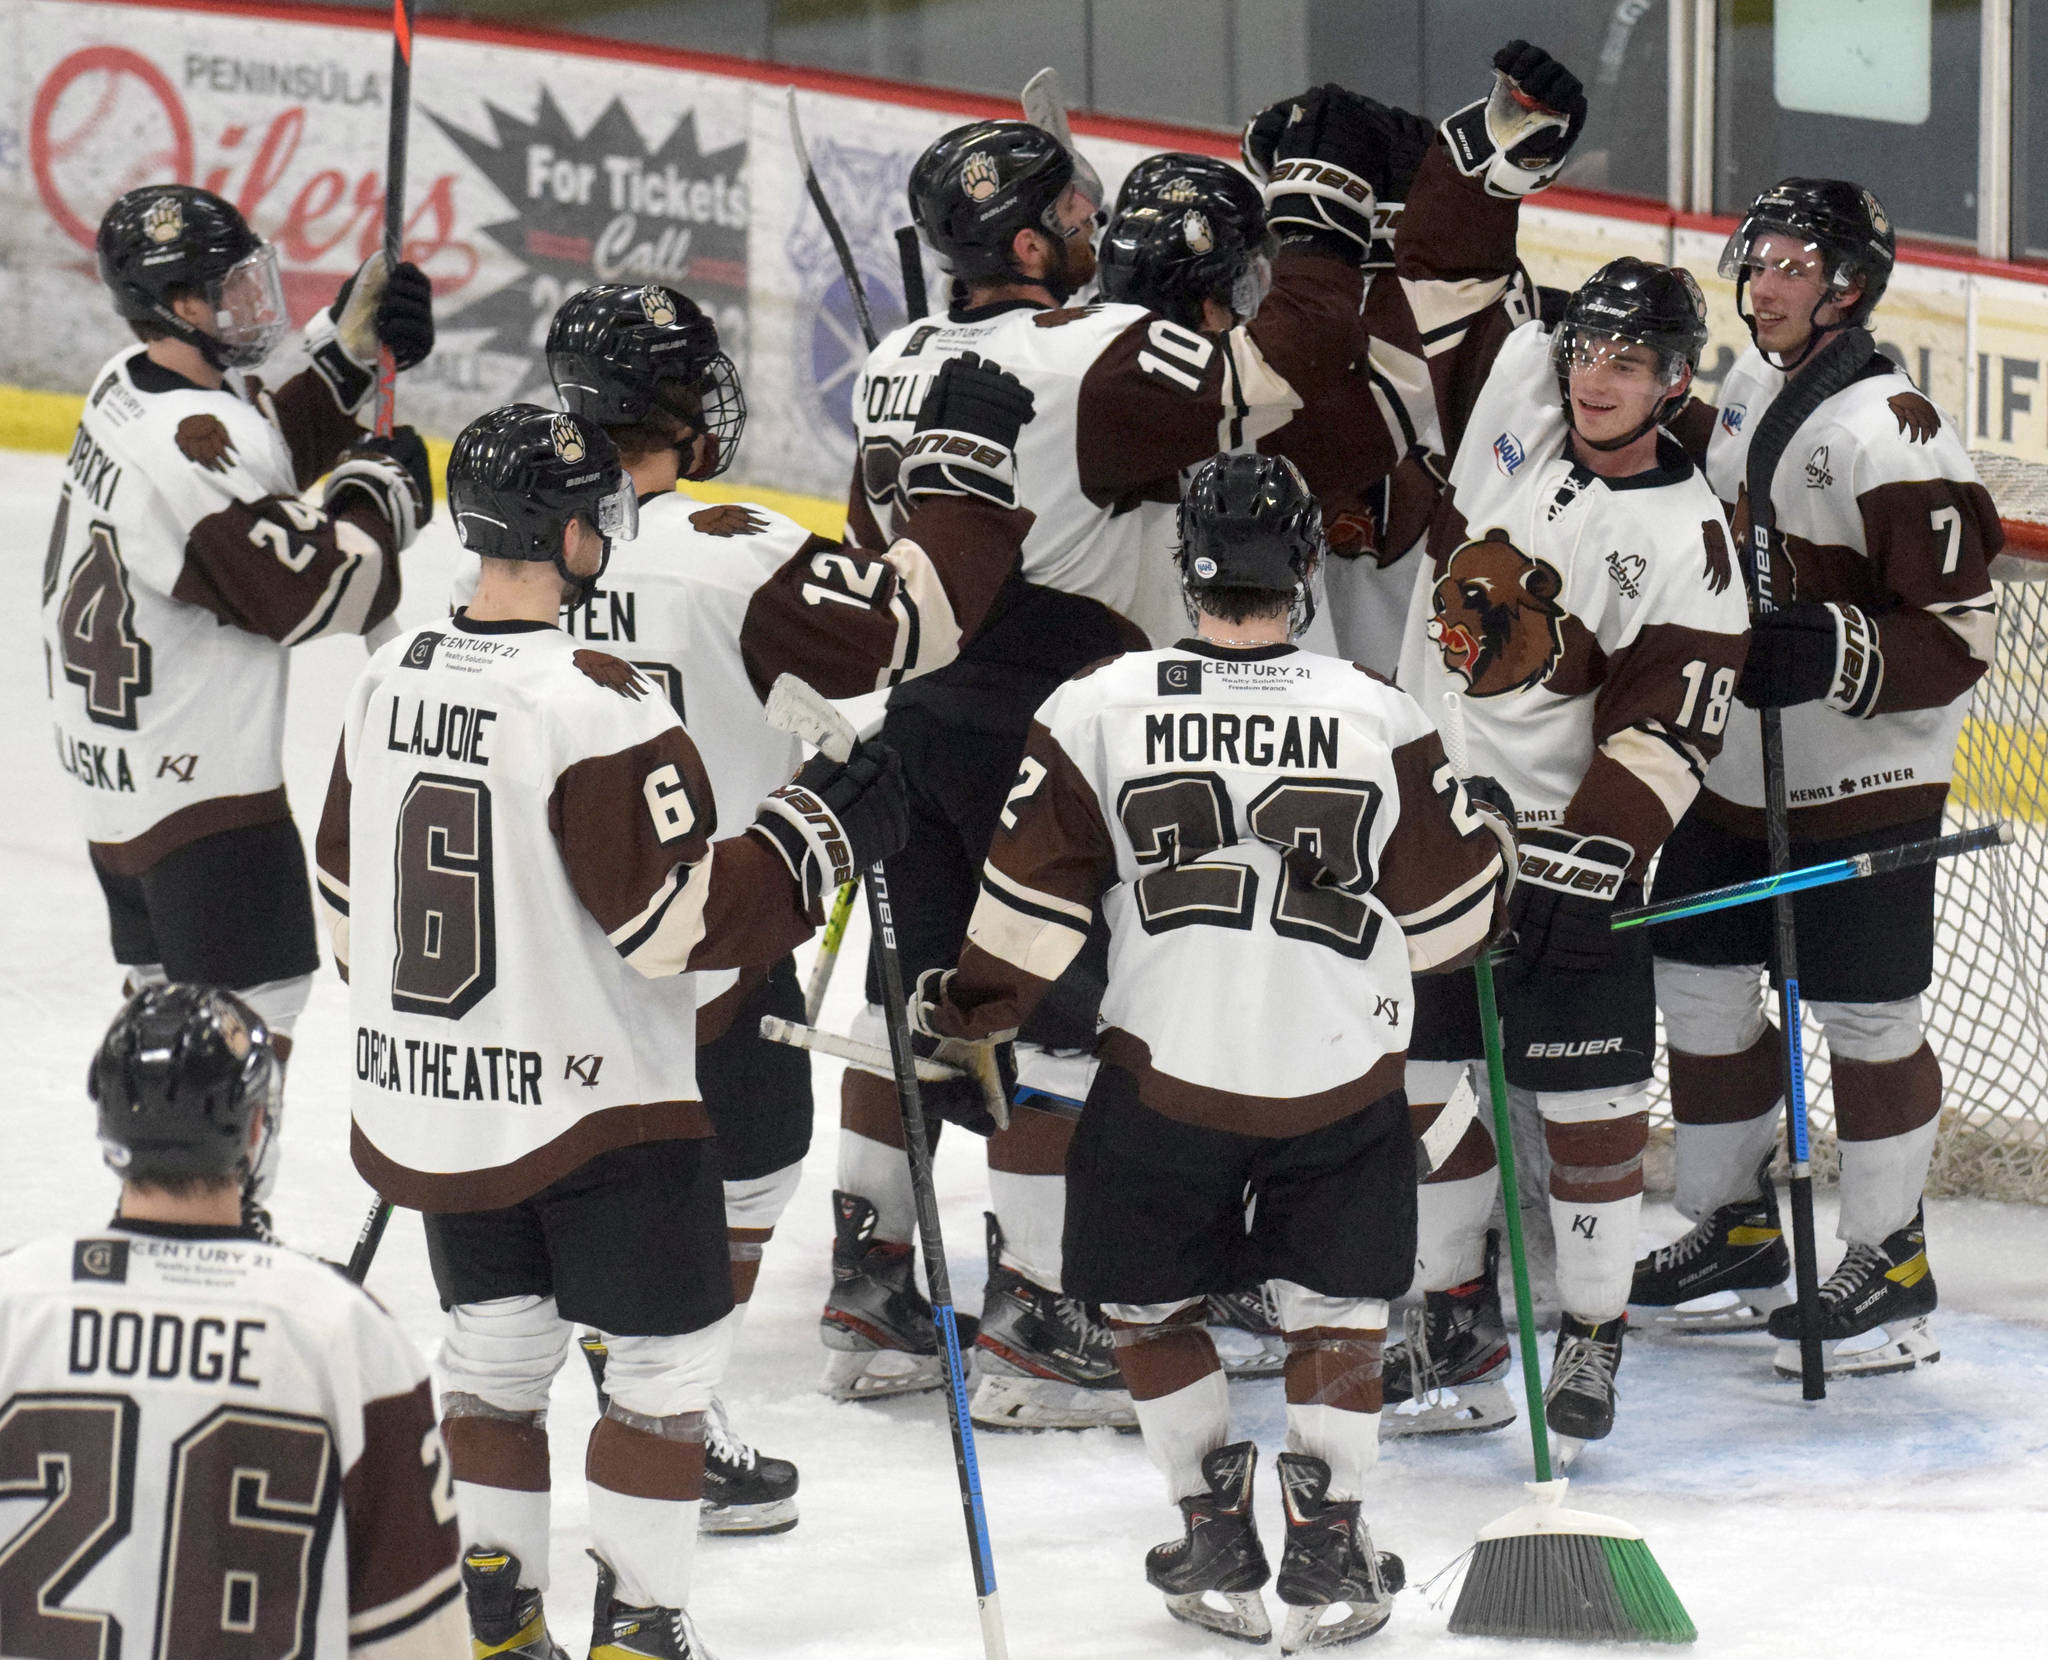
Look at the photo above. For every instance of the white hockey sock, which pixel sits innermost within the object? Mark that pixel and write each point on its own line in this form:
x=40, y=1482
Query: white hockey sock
x=880, y=1174
x=1450, y=1230
x=1881, y=1183
x=1717, y=1163
x=1032, y=1211
x=508, y=1519
x=1179, y=1428
x=650, y=1544
x=1349, y=1442
x=1596, y=1254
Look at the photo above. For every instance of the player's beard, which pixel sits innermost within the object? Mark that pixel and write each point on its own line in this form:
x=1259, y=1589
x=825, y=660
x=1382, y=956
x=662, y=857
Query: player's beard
x=1071, y=271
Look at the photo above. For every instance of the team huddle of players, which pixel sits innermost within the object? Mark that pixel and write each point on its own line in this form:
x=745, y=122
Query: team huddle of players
x=1175, y=594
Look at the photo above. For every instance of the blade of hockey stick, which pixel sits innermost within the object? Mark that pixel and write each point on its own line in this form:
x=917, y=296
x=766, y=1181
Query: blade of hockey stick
x=797, y=706
x=1874, y=863
x=798, y=1036
x=1441, y=1139
x=1045, y=105
x=816, y=192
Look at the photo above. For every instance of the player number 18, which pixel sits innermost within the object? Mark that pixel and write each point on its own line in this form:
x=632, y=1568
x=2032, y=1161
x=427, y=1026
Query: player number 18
x=1715, y=716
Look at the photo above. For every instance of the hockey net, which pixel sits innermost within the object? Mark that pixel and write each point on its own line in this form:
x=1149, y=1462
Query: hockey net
x=1987, y=1014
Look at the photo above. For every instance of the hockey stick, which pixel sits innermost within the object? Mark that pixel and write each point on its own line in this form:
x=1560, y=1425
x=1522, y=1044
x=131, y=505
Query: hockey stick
x=828, y=953
x=910, y=262
x=816, y=192
x=1834, y=367
x=1877, y=862
x=796, y=707
x=394, y=236
x=367, y=1241
x=777, y=1030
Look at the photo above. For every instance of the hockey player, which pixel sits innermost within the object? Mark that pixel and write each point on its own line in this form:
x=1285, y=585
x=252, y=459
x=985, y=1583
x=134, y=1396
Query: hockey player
x=183, y=565
x=515, y=851
x=1891, y=620
x=712, y=602
x=1124, y=399
x=1283, y=845
x=215, y=1445
x=1581, y=608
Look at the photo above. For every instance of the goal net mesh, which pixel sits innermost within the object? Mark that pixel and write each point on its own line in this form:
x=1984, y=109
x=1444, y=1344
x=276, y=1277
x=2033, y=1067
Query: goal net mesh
x=1986, y=1013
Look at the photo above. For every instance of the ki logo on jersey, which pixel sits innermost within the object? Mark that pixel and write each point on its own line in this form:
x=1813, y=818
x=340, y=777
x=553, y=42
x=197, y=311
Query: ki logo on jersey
x=583, y=1068
x=1508, y=453
x=1731, y=418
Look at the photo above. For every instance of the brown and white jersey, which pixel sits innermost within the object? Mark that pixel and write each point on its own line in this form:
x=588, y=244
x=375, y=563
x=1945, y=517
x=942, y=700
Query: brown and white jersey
x=1882, y=515
x=1283, y=846
x=1593, y=627
x=515, y=853
x=213, y=1445
x=182, y=564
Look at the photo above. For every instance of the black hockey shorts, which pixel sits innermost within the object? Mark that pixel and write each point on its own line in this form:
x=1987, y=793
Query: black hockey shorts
x=631, y=1242
x=1159, y=1210
x=1561, y=1032
x=759, y=1093
x=1870, y=941
x=232, y=909
x=959, y=779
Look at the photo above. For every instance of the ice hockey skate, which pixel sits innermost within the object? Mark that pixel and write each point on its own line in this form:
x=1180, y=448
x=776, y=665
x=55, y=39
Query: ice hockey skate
x=745, y=1491
x=1874, y=1309
x=1444, y=1376
x=1220, y=1558
x=505, y=1618
x=876, y=1322
x=1578, y=1402
x=1041, y=1360
x=1727, y=1274
x=1337, y=1587
x=621, y=1632
x=1245, y=1327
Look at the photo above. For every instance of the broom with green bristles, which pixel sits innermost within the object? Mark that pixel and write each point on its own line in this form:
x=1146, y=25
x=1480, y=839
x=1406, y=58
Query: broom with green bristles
x=1543, y=1570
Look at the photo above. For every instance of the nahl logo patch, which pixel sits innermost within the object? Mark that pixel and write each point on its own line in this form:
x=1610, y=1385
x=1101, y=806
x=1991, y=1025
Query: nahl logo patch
x=1180, y=677
x=1508, y=453
x=105, y=1260
x=1731, y=417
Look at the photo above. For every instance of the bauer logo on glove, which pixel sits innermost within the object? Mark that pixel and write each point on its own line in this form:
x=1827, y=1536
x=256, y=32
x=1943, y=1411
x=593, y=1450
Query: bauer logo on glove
x=1593, y=866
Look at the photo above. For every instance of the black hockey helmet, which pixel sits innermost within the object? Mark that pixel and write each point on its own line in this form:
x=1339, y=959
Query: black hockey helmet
x=177, y=1080
x=1842, y=222
x=517, y=475
x=619, y=352
x=163, y=240
x=1187, y=227
x=979, y=185
x=1634, y=302
x=1248, y=521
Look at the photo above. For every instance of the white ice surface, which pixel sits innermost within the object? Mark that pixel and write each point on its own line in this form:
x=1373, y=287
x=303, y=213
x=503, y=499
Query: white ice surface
x=1898, y=1517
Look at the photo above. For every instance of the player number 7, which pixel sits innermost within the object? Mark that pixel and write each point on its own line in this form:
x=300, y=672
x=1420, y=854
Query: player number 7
x=1948, y=523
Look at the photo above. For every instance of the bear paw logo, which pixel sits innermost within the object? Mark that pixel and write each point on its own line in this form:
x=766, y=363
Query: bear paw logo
x=567, y=438
x=165, y=220
x=979, y=177
x=614, y=674
x=656, y=306
x=203, y=441
x=1918, y=419
x=728, y=519
x=1194, y=230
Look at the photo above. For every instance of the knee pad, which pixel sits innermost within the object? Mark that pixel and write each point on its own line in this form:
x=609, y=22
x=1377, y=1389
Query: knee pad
x=1873, y=1032
x=1432, y=1082
x=1710, y=1009
x=1146, y=1314
x=279, y=1002
x=1302, y=1309
x=663, y=1377
x=870, y=1027
x=505, y=1352
x=760, y=1201
x=1592, y=1106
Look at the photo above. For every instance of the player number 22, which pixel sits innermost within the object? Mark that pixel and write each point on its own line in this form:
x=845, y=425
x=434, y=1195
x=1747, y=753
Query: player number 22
x=1715, y=716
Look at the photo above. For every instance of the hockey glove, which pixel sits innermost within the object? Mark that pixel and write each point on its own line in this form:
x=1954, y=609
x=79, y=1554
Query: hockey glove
x=1516, y=138
x=834, y=819
x=372, y=311
x=979, y=1100
x=1809, y=652
x=1396, y=511
x=1564, y=895
x=1326, y=156
x=391, y=476
x=966, y=438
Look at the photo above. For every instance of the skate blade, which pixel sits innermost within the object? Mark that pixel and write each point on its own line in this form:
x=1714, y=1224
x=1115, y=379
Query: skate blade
x=1564, y=1451
x=1242, y=1616
x=1313, y=1628
x=1246, y=1354
x=876, y=1374
x=747, y=1520
x=1472, y=1409
x=1878, y=1353
x=1719, y=1314
x=1009, y=1400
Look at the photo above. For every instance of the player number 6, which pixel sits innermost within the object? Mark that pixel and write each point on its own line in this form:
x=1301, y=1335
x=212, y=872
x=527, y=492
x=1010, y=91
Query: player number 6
x=668, y=801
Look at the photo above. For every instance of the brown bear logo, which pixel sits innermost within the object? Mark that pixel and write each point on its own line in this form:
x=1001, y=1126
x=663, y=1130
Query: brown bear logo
x=203, y=441
x=1720, y=565
x=1495, y=616
x=1917, y=418
x=728, y=519
x=615, y=674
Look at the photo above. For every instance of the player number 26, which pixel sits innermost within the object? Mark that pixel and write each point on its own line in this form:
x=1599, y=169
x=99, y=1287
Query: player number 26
x=1715, y=715
x=668, y=801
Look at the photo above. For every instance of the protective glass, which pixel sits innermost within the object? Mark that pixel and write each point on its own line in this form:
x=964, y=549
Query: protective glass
x=1792, y=252
x=1252, y=286
x=249, y=308
x=1575, y=348
x=618, y=514
x=1077, y=210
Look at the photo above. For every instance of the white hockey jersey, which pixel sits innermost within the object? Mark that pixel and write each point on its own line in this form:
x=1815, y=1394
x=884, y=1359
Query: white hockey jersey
x=515, y=851
x=181, y=566
x=212, y=1445
x=1284, y=846
x=1882, y=514
x=1593, y=628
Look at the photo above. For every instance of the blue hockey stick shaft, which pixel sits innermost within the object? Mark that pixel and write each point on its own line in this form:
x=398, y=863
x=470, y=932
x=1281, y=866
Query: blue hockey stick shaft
x=1858, y=865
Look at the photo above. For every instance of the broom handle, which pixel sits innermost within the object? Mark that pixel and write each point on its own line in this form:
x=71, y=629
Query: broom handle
x=1511, y=1195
